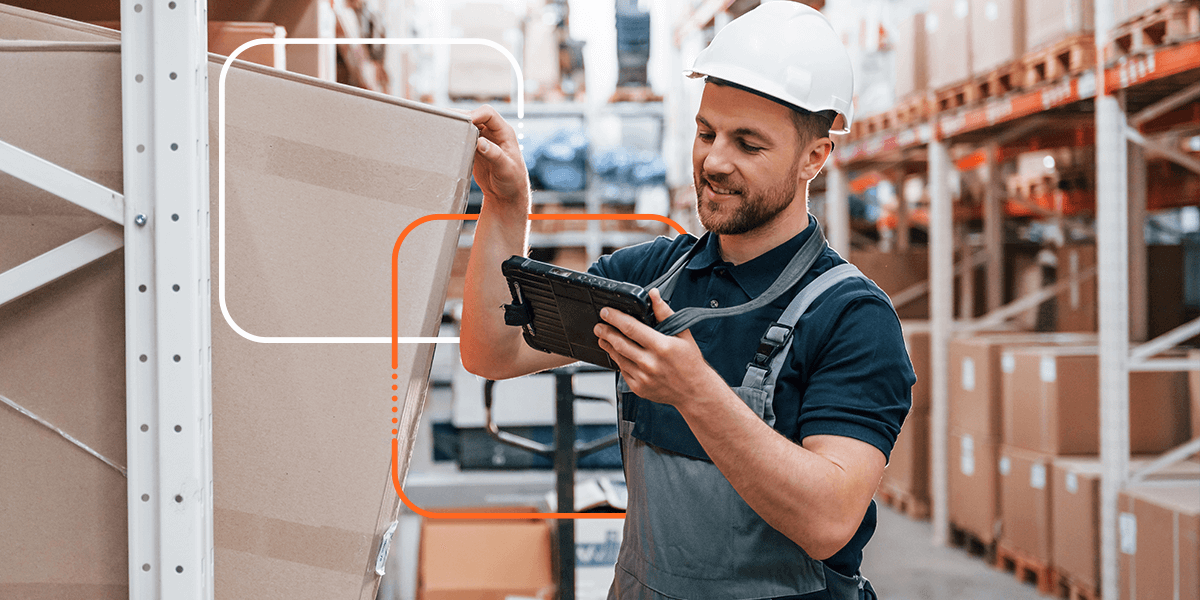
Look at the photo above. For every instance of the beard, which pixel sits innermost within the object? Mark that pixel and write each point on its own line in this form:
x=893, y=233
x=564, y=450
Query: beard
x=755, y=208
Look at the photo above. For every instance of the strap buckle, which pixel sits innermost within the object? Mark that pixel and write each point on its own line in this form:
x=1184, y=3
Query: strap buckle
x=517, y=315
x=777, y=337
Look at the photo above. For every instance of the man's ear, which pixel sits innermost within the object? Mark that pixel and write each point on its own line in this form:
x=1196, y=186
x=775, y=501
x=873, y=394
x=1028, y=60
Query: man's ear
x=815, y=156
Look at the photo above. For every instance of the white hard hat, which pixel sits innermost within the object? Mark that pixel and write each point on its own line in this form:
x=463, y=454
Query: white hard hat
x=785, y=50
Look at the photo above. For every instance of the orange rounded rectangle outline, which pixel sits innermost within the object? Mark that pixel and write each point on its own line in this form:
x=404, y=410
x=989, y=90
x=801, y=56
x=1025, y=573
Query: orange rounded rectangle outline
x=396, y=361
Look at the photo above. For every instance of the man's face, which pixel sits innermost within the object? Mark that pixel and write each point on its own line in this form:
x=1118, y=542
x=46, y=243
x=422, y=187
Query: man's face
x=744, y=160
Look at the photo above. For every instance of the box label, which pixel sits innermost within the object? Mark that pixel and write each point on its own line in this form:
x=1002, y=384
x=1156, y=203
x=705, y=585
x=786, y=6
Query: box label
x=1005, y=465
x=1037, y=476
x=967, y=458
x=961, y=8
x=1127, y=528
x=1049, y=369
x=1008, y=364
x=1072, y=483
x=991, y=11
x=931, y=23
x=968, y=374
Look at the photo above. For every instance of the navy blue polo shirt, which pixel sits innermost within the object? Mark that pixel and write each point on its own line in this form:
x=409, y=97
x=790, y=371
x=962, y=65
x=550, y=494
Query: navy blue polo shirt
x=847, y=374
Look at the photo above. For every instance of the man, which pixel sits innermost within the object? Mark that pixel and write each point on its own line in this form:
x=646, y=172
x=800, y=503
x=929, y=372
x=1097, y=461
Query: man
x=753, y=442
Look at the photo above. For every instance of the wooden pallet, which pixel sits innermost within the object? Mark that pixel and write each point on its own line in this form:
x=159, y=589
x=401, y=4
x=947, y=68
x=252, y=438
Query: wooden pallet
x=956, y=96
x=1026, y=568
x=972, y=544
x=1000, y=81
x=1166, y=24
x=911, y=110
x=903, y=502
x=635, y=94
x=1072, y=590
x=1070, y=56
x=868, y=126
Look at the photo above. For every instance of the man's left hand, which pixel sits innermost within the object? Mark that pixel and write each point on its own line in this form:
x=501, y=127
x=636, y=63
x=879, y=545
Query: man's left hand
x=666, y=369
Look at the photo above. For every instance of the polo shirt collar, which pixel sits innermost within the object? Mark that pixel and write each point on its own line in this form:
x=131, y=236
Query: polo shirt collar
x=757, y=274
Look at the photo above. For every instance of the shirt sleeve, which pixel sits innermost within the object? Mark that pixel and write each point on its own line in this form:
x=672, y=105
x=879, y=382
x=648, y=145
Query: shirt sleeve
x=861, y=386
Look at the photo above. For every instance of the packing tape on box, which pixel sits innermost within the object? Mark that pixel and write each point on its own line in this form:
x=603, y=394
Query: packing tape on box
x=38, y=46
x=65, y=435
x=330, y=548
x=57, y=591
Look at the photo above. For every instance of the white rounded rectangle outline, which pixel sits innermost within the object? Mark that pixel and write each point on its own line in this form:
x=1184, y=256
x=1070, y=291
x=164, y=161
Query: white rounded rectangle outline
x=221, y=177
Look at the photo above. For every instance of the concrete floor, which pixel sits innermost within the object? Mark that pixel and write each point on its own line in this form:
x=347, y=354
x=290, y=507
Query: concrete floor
x=903, y=564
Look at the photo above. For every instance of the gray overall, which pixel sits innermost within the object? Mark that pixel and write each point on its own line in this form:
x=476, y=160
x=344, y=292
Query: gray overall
x=688, y=534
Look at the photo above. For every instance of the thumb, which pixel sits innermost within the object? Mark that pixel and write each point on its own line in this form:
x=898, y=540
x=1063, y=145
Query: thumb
x=661, y=309
x=483, y=146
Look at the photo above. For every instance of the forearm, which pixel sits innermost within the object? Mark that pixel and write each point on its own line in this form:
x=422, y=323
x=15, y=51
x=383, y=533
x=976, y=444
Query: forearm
x=486, y=343
x=808, y=497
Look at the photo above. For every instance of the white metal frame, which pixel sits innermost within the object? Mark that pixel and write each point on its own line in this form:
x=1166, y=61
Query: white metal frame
x=164, y=75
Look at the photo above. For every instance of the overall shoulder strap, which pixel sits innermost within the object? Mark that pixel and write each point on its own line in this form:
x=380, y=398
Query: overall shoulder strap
x=800, y=263
x=773, y=348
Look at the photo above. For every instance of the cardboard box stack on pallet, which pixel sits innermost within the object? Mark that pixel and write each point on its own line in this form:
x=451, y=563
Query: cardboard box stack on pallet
x=301, y=433
x=1050, y=408
x=905, y=483
x=481, y=72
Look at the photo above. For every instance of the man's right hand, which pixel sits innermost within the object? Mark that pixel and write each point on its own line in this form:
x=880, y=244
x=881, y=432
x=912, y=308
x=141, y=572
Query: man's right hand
x=499, y=167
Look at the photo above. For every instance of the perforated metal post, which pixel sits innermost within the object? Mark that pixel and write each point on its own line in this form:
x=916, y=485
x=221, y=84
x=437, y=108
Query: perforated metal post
x=941, y=311
x=167, y=327
x=1112, y=260
x=837, y=209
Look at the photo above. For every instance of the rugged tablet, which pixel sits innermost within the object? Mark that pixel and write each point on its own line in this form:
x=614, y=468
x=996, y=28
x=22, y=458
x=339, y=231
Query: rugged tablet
x=558, y=308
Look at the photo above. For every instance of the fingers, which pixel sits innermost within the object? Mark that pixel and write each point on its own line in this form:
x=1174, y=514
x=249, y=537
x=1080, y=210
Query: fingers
x=661, y=309
x=493, y=126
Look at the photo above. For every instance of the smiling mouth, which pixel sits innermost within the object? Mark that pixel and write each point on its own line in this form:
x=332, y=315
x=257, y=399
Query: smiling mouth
x=721, y=191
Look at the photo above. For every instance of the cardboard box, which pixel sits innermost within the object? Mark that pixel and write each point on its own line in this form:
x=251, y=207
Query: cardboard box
x=1077, y=306
x=948, y=35
x=1159, y=541
x=484, y=560
x=1075, y=512
x=1050, y=22
x=1051, y=403
x=480, y=71
x=974, y=484
x=975, y=376
x=301, y=461
x=916, y=342
x=895, y=272
x=1025, y=502
x=997, y=34
x=907, y=471
x=912, y=70
x=597, y=542
x=225, y=36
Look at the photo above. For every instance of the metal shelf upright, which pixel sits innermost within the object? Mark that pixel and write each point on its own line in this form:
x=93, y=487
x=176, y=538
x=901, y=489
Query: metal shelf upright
x=164, y=76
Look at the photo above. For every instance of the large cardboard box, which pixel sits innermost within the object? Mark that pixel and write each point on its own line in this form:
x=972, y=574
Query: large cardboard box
x=1075, y=513
x=997, y=34
x=974, y=484
x=1025, y=502
x=1051, y=403
x=912, y=67
x=1159, y=537
x=948, y=35
x=321, y=179
x=907, y=471
x=1050, y=22
x=975, y=376
x=1077, y=305
x=484, y=560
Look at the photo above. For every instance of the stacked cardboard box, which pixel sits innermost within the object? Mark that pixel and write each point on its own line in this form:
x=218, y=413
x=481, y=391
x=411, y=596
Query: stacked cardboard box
x=1075, y=513
x=314, y=204
x=480, y=71
x=894, y=272
x=997, y=34
x=912, y=69
x=485, y=560
x=948, y=35
x=907, y=473
x=1049, y=22
x=976, y=425
x=1051, y=409
x=1194, y=385
x=1159, y=538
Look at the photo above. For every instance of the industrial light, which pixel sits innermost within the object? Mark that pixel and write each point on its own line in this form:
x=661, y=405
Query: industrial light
x=1048, y=162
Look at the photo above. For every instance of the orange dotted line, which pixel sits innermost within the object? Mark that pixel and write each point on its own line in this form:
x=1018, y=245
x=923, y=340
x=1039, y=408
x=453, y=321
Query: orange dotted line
x=395, y=408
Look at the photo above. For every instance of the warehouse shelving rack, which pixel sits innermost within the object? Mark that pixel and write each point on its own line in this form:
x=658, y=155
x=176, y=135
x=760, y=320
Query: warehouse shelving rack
x=1121, y=98
x=164, y=216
